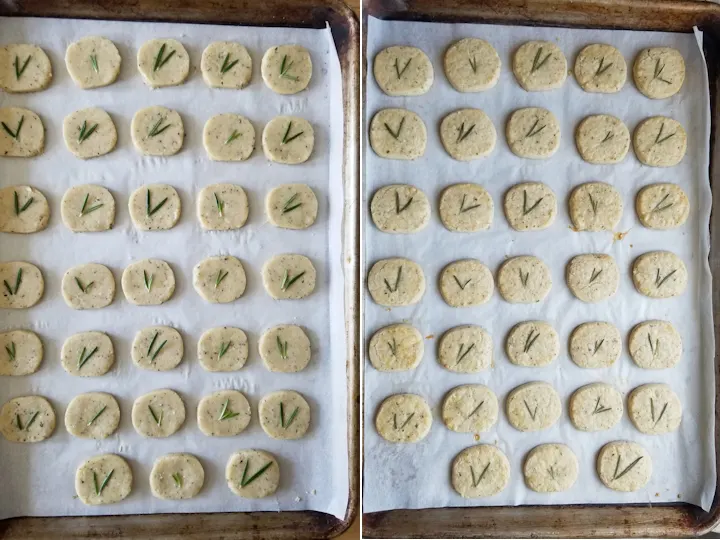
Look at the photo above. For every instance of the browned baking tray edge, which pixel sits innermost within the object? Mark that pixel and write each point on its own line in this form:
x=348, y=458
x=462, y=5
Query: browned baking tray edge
x=246, y=525
x=570, y=521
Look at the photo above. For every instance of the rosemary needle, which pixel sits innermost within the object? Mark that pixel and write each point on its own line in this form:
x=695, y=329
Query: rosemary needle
x=84, y=359
x=234, y=135
x=11, y=351
x=157, y=351
x=220, y=277
x=288, y=281
x=399, y=71
x=287, y=138
x=94, y=63
x=160, y=59
x=34, y=417
x=20, y=70
x=83, y=288
x=537, y=63
x=178, y=479
x=85, y=132
x=153, y=209
x=158, y=419
x=156, y=129
x=399, y=209
x=530, y=341
x=16, y=133
x=20, y=209
x=282, y=347
x=224, y=348
x=396, y=134
x=289, y=206
x=18, y=281
x=219, y=204
x=227, y=65
x=225, y=411
x=85, y=210
x=97, y=415
x=461, y=355
x=104, y=483
x=285, y=69
x=247, y=481
x=148, y=280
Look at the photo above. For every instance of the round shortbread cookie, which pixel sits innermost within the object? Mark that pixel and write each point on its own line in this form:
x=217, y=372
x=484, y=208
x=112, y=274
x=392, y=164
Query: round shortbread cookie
x=400, y=208
x=466, y=349
x=288, y=139
x=480, y=471
x=466, y=208
x=149, y=282
x=88, y=286
x=539, y=65
x=602, y=139
x=396, y=282
x=624, y=466
x=88, y=208
x=163, y=62
x=289, y=277
x=468, y=134
x=654, y=409
x=223, y=349
x=25, y=133
x=533, y=406
x=593, y=277
x=157, y=348
x=284, y=415
x=659, y=274
x=154, y=207
x=219, y=280
x=157, y=131
x=466, y=283
x=595, y=345
x=660, y=141
x=89, y=133
x=655, y=345
x=398, y=134
x=533, y=133
x=223, y=414
x=103, y=479
x=158, y=414
x=398, y=347
x=176, y=477
x=524, y=280
x=21, y=352
x=226, y=64
x=24, y=68
x=93, y=62
x=23, y=285
x=550, y=468
x=532, y=344
x=23, y=209
x=292, y=206
x=530, y=206
x=600, y=68
x=595, y=407
x=595, y=206
x=471, y=408
x=659, y=72
x=403, y=71
x=252, y=474
x=403, y=418
x=662, y=206
x=286, y=69
x=88, y=354
x=222, y=207
x=27, y=419
x=285, y=349
x=228, y=137
x=472, y=65
x=95, y=415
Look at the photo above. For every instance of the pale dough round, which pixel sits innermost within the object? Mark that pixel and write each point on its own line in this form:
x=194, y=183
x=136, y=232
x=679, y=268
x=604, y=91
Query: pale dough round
x=533, y=406
x=89, y=133
x=466, y=208
x=550, y=468
x=655, y=345
x=468, y=134
x=88, y=208
x=88, y=354
x=23, y=133
x=289, y=277
x=595, y=206
x=288, y=140
x=400, y=208
x=530, y=206
x=466, y=349
x=219, y=280
x=21, y=352
x=532, y=344
x=480, y=471
x=93, y=62
x=662, y=206
x=660, y=141
x=223, y=349
x=95, y=415
x=252, y=474
x=593, y=277
x=157, y=348
x=398, y=134
x=158, y=414
x=524, y=280
x=533, y=133
x=284, y=415
x=88, y=286
x=229, y=137
x=659, y=72
x=292, y=206
x=398, y=347
x=163, y=62
x=654, y=409
x=27, y=419
x=472, y=65
x=403, y=71
x=23, y=285
x=154, y=207
x=403, y=418
x=471, y=408
x=23, y=209
x=396, y=282
x=149, y=282
x=595, y=345
x=600, y=68
x=659, y=274
x=624, y=466
x=103, y=479
x=157, y=131
x=226, y=64
x=285, y=349
x=286, y=69
x=223, y=414
x=602, y=139
x=176, y=477
x=24, y=68
x=595, y=407
x=466, y=283
x=222, y=207
x=539, y=65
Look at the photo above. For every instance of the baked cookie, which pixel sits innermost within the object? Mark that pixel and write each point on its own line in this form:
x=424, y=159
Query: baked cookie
x=23, y=210
x=533, y=406
x=466, y=208
x=539, y=65
x=398, y=347
x=660, y=142
x=400, y=208
x=524, y=280
x=530, y=206
x=466, y=283
x=468, y=134
x=593, y=277
x=595, y=407
x=21, y=353
x=662, y=206
x=88, y=208
x=229, y=137
x=157, y=131
x=472, y=65
x=403, y=71
x=289, y=277
x=88, y=286
x=176, y=477
x=285, y=349
x=595, y=206
x=403, y=418
x=288, y=140
x=466, y=349
x=471, y=408
x=87, y=354
x=286, y=69
x=655, y=345
x=624, y=466
x=103, y=479
x=252, y=474
x=595, y=345
x=654, y=409
x=550, y=468
x=95, y=415
x=600, y=68
x=480, y=471
x=396, y=282
x=226, y=64
x=223, y=414
x=659, y=72
x=27, y=419
x=93, y=62
x=222, y=207
x=219, y=280
x=532, y=344
x=22, y=134
x=24, y=68
x=23, y=285
x=292, y=206
x=223, y=349
x=163, y=62
x=284, y=415
x=602, y=139
x=398, y=134
x=89, y=133
x=158, y=414
x=659, y=274
x=157, y=348
x=533, y=133
x=149, y=282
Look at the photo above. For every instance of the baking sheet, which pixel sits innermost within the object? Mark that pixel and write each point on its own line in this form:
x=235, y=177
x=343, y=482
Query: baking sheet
x=38, y=479
x=418, y=475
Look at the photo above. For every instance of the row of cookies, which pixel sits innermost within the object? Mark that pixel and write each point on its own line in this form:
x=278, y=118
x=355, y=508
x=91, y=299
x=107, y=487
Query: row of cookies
x=531, y=132
x=94, y=62
x=154, y=207
x=158, y=131
x=284, y=349
x=473, y=65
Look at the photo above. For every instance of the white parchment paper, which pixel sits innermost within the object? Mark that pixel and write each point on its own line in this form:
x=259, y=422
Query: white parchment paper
x=39, y=479
x=418, y=475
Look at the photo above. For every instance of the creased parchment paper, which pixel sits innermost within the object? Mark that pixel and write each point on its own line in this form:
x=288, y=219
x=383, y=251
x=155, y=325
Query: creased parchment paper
x=418, y=475
x=39, y=479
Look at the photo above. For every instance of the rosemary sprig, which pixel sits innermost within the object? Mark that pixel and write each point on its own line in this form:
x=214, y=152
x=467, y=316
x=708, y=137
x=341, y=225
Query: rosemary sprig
x=18, y=281
x=93, y=62
x=31, y=421
x=289, y=206
x=658, y=72
x=660, y=282
x=154, y=355
x=462, y=134
x=464, y=209
x=524, y=277
x=99, y=489
x=602, y=68
x=473, y=64
x=285, y=69
x=11, y=351
x=20, y=70
x=595, y=274
x=85, y=210
x=660, y=139
x=148, y=280
x=156, y=128
x=653, y=347
x=20, y=209
x=398, y=208
x=600, y=408
x=537, y=63
x=526, y=209
x=290, y=420
x=178, y=479
x=158, y=419
x=396, y=134
x=161, y=59
x=476, y=483
x=288, y=281
x=401, y=71
x=234, y=135
x=393, y=347
x=532, y=414
x=397, y=281
x=227, y=65
x=626, y=470
x=224, y=349
x=152, y=343
x=86, y=132
x=83, y=288
x=220, y=277
x=149, y=208
x=534, y=130
x=461, y=285
x=405, y=423
x=476, y=409
x=220, y=205
x=282, y=347
x=225, y=411
x=14, y=134
x=593, y=204
x=461, y=355
x=530, y=341
x=83, y=359
x=244, y=481
x=608, y=136
x=287, y=138
x=598, y=344
x=97, y=415
x=659, y=208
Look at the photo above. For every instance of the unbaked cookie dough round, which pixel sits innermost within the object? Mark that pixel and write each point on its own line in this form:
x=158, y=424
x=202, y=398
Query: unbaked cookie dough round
x=659, y=274
x=286, y=69
x=480, y=471
x=403, y=71
x=466, y=349
x=23, y=285
x=539, y=65
x=229, y=137
x=289, y=277
x=23, y=209
x=662, y=206
x=219, y=280
x=398, y=347
x=595, y=345
x=659, y=72
x=602, y=139
x=466, y=283
x=524, y=280
x=95, y=415
x=149, y=282
x=595, y=206
x=624, y=466
x=288, y=139
x=285, y=349
x=654, y=409
x=532, y=344
x=157, y=348
x=222, y=207
x=533, y=406
x=284, y=415
x=466, y=208
x=398, y=134
x=88, y=208
x=24, y=68
x=223, y=349
x=157, y=131
x=600, y=68
x=226, y=64
x=103, y=479
x=27, y=419
x=252, y=474
x=396, y=282
x=88, y=286
x=468, y=134
x=533, y=133
x=176, y=477
x=471, y=408
x=400, y=208
x=23, y=133
x=154, y=207
x=530, y=206
x=21, y=352
x=158, y=414
x=403, y=418
x=88, y=354
x=593, y=277
x=292, y=206
x=595, y=407
x=550, y=468
x=223, y=414
x=472, y=65
x=93, y=62
x=89, y=133
x=163, y=62
x=660, y=141
x=655, y=345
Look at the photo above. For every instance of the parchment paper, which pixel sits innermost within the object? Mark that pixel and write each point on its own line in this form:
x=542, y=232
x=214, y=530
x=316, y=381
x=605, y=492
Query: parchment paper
x=38, y=479
x=418, y=475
